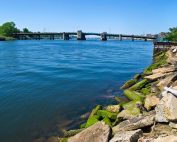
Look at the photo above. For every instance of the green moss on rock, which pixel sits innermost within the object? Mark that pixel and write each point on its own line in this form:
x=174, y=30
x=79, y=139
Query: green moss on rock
x=107, y=121
x=92, y=120
x=137, y=77
x=128, y=84
x=139, y=85
x=72, y=132
x=129, y=113
x=94, y=111
x=133, y=96
x=105, y=113
x=63, y=140
x=131, y=104
x=82, y=125
x=159, y=61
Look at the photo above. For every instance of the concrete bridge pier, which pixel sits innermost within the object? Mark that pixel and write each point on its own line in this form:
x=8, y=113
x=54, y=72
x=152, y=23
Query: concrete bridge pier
x=52, y=37
x=133, y=38
x=120, y=37
x=80, y=35
x=104, y=36
x=37, y=37
x=65, y=36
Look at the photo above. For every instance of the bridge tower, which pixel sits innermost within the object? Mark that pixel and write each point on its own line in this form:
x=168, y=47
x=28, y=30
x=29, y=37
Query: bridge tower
x=104, y=36
x=65, y=36
x=80, y=35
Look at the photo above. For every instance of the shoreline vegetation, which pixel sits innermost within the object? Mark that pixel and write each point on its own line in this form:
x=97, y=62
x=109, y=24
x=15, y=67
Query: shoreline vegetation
x=147, y=113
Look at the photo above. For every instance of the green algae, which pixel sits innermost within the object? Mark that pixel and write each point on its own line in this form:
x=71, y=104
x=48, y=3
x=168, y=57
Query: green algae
x=72, y=132
x=131, y=95
x=159, y=61
x=107, y=121
x=94, y=111
x=105, y=113
x=92, y=120
x=139, y=85
x=131, y=104
x=128, y=84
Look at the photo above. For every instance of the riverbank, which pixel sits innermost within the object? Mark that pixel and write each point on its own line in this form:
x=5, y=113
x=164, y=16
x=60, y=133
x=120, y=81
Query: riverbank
x=5, y=38
x=147, y=113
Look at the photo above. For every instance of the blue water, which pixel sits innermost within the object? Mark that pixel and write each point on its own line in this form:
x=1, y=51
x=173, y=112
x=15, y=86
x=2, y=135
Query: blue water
x=46, y=85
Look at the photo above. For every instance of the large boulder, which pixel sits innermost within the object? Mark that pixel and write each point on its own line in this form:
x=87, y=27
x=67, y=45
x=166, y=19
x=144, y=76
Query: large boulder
x=99, y=132
x=166, y=109
x=127, y=136
x=150, y=101
x=135, y=123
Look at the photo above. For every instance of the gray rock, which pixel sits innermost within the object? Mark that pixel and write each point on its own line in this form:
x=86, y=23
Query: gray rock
x=170, y=138
x=146, y=140
x=127, y=136
x=135, y=123
x=98, y=132
x=166, y=109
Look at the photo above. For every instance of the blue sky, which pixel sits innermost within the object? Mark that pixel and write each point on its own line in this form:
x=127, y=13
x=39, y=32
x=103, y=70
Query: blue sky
x=113, y=16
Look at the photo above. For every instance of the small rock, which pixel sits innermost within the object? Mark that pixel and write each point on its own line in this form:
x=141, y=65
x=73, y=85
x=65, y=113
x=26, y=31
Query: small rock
x=127, y=136
x=170, y=138
x=113, y=108
x=135, y=123
x=166, y=109
x=151, y=101
x=98, y=132
x=173, y=125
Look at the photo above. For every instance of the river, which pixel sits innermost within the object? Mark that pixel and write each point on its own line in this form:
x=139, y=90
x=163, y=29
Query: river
x=46, y=85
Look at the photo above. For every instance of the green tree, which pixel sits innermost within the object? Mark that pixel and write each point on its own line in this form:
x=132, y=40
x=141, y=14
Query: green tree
x=8, y=29
x=172, y=35
x=25, y=30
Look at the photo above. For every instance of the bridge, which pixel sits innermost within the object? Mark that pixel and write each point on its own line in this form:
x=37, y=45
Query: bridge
x=80, y=36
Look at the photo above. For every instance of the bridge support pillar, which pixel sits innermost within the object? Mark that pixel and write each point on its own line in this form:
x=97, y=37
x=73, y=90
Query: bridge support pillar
x=51, y=37
x=80, y=35
x=104, y=36
x=120, y=37
x=65, y=36
x=133, y=38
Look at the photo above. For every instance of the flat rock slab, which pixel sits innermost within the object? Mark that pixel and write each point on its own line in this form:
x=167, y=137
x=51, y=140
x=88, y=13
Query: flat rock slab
x=156, y=76
x=150, y=101
x=164, y=70
x=166, y=110
x=135, y=123
x=127, y=136
x=98, y=132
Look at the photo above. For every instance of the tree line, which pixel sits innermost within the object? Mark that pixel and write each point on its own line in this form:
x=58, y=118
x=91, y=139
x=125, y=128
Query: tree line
x=9, y=28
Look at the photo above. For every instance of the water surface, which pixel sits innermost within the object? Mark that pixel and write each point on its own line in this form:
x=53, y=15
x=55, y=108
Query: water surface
x=46, y=85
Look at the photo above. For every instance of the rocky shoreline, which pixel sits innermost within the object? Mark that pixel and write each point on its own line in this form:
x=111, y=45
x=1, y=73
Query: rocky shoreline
x=147, y=114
